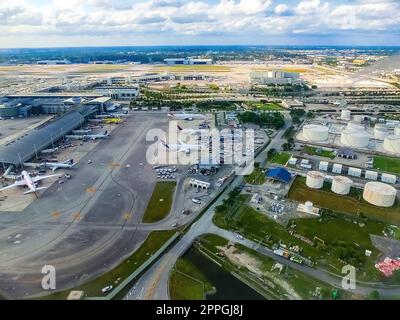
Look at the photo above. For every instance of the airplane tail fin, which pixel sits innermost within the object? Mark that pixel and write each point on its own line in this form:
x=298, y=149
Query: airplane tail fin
x=165, y=144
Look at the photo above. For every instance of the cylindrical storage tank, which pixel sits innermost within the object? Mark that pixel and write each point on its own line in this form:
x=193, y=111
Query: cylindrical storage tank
x=358, y=118
x=315, y=132
x=380, y=131
x=345, y=114
x=341, y=185
x=379, y=194
x=397, y=130
x=354, y=138
x=315, y=179
x=392, y=144
x=308, y=206
x=355, y=126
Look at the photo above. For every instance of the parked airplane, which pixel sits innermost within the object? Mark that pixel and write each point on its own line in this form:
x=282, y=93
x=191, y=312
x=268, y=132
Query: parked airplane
x=90, y=136
x=30, y=182
x=189, y=131
x=49, y=151
x=186, y=116
x=67, y=164
x=82, y=131
x=182, y=147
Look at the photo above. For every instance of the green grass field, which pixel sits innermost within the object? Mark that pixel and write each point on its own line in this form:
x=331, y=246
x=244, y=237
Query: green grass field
x=257, y=177
x=266, y=106
x=152, y=244
x=345, y=204
x=160, y=202
x=318, y=152
x=387, y=164
x=187, y=282
x=280, y=158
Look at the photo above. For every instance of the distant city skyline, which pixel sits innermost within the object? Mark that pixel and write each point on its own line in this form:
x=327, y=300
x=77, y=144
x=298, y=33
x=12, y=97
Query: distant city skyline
x=59, y=23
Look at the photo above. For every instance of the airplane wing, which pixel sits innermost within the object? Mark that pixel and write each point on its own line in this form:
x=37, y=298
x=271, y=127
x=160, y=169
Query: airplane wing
x=15, y=184
x=38, y=178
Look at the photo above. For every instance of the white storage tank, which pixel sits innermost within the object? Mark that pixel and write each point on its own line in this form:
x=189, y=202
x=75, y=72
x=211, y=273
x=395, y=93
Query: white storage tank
x=315, y=132
x=397, y=130
x=315, y=179
x=345, y=115
x=355, y=138
x=355, y=126
x=392, y=144
x=341, y=185
x=380, y=131
x=379, y=194
x=359, y=118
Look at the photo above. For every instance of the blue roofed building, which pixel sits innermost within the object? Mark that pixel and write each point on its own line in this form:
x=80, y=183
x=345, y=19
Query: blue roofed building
x=279, y=174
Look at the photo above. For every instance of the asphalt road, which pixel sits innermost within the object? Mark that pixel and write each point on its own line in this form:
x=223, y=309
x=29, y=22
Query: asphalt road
x=87, y=225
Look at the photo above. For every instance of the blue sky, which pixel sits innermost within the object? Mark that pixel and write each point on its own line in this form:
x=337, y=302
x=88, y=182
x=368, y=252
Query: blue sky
x=45, y=23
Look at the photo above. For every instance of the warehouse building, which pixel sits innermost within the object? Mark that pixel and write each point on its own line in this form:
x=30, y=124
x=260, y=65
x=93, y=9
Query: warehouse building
x=274, y=77
x=187, y=61
x=119, y=92
x=279, y=174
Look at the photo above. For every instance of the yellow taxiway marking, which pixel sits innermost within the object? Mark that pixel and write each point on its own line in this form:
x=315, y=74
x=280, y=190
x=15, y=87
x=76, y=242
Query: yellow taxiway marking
x=127, y=216
x=91, y=190
x=76, y=216
x=55, y=214
x=114, y=165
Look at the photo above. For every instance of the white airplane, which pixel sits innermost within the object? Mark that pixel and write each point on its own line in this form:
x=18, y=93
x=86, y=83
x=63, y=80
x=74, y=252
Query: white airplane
x=49, y=151
x=189, y=131
x=67, y=164
x=82, y=131
x=90, y=136
x=187, y=116
x=182, y=147
x=30, y=182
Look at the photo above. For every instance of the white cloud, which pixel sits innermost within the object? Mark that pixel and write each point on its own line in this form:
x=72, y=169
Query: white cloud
x=197, y=17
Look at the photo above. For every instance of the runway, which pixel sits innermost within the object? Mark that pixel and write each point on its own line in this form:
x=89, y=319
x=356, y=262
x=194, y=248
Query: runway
x=87, y=225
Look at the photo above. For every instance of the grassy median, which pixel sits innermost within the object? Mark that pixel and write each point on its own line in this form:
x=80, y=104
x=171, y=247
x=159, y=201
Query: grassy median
x=160, y=202
x=387, y=164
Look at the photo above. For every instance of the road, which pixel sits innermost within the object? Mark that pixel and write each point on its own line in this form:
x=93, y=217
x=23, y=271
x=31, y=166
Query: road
x=154, y=283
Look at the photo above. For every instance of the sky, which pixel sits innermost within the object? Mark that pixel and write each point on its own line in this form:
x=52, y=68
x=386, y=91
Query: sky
x=66, y=23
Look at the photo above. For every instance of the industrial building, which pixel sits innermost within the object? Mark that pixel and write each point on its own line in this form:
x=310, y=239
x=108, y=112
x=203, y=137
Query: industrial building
x=119, y=92
x=187, y=61
x=274, y=77
x=279, y=174
x=27, y=147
